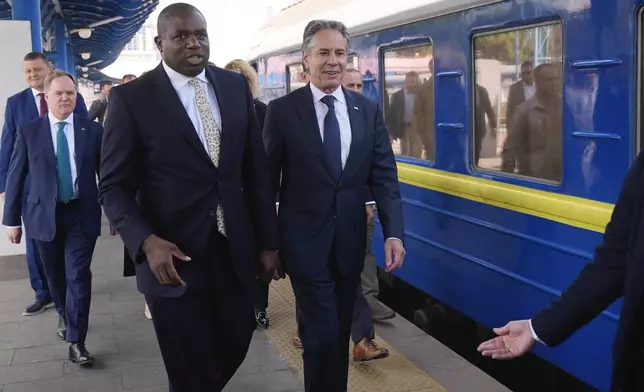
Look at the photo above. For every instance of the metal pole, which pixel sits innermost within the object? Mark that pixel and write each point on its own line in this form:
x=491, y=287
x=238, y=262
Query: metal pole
x=61, y=45
x=29, y=10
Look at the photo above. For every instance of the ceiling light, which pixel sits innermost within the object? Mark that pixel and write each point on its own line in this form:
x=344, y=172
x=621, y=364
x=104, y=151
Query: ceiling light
x=85, y=33
x=85, y=55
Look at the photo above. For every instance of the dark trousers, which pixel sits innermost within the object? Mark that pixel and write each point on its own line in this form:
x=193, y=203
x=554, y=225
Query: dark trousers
x=261, y=295
x=362, y=325
x=325, y=305
x=369, y=276
x=37, y=276
x=67, y=260
x=204, y=335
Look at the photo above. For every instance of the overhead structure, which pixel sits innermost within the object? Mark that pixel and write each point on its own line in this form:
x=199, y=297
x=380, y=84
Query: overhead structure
x=80, y=34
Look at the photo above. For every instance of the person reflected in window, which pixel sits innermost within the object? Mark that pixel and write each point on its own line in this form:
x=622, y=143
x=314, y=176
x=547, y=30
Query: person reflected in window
x=423, y=117
x=534, y=136
x=261, y=286
x=400, y=113
x=483, y=108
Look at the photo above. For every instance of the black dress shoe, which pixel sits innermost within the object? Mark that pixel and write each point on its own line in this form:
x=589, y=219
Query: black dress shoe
x=61, y=331
x=39, y=306
x=262, y=319
x=79, y=354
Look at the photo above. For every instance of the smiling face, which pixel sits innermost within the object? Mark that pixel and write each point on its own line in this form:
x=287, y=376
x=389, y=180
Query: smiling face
x=326, y=59
x=183, y=42
x=35, y=72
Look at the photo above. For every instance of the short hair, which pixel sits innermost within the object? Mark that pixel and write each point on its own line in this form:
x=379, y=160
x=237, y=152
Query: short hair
x=527, y=63
x=541, y=67
x=249, y=73
x=172, y=11
x=31, y=56
x=106, y=83
x=354, y=70
x=317, y=25
x=128, y=76
x=411, y=74
x=58, y=74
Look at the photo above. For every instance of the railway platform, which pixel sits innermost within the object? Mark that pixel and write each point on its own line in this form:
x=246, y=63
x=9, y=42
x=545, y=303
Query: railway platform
x=33, y=359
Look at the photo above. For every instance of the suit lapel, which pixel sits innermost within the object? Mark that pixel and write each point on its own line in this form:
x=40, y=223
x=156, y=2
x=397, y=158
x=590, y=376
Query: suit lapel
x=357, y=129
x=167, y=98
x=46, y=141
x=305, y=109
x=30, y=104
x=223, y=104
x=80, y=141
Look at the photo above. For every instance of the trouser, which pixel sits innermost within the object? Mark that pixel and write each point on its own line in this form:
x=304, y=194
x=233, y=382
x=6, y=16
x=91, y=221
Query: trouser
x=369, y=276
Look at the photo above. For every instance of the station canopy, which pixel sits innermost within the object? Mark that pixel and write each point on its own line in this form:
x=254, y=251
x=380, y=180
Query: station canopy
x=110, y=24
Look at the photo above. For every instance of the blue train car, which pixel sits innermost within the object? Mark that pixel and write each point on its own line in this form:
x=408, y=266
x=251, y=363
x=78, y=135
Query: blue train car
x=494, y=244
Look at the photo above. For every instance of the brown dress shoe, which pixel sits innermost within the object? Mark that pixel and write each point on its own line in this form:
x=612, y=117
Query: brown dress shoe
x=368, y=350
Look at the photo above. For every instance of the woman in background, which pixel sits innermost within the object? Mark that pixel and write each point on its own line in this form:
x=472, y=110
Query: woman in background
x=261, y=287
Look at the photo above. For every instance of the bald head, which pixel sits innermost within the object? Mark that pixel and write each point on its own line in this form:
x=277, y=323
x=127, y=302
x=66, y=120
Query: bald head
x=176, y=10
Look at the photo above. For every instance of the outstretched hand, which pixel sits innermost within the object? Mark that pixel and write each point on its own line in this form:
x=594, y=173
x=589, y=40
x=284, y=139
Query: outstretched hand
x=515, y=340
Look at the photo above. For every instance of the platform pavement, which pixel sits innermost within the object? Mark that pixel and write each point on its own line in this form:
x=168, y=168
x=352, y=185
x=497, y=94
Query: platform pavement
x=33, y=359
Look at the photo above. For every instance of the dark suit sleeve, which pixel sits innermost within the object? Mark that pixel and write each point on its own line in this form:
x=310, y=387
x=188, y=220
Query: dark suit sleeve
x=273, y=144
x=95, y=110
x=81, y=109
x=118, y=180
x=601, y=282
x=383, y=181
x=7, y=142
x=257, y=183
x=16, y=176
x=99, y=138
x=487, y=106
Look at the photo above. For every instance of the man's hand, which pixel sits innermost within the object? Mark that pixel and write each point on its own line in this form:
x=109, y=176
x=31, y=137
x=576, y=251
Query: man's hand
x=371, y=212
x=159, y=253
x=515, y=339
x=14, y=234
x=394, y=254
x=271, y=266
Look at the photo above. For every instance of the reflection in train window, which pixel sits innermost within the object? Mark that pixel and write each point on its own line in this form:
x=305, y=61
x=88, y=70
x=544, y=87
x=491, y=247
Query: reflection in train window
x=352, y=61
x=295, y=76
x=409, y=100
x=517, y=116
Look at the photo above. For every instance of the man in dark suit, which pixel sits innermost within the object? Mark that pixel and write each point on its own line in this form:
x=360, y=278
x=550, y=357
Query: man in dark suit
x=400, y=114
x=616, y=272
x=59, y=155
x=520, y=91
x=184, y=137
x=23, y=107
x=99, y=107
x=329, y=144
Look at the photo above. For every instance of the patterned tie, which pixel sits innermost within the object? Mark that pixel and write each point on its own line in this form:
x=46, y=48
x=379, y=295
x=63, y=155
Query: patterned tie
x=63, y=165
x=43, y=104
x=213, y=139
x=332, y=144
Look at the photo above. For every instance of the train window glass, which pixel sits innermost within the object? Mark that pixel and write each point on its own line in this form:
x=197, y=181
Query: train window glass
x=352, y=61
x=409, y=100
x=295, y=77
x=517, y=116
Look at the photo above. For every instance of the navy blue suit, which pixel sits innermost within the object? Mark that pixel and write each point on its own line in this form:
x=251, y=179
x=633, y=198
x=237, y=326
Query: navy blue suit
x=151, y=149
x=65, y=233
x=21, y=108
x=323, y=223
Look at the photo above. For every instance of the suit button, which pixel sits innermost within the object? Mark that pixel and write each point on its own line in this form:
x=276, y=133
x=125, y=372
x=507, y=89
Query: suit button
x=333, y=217
x=212, y=213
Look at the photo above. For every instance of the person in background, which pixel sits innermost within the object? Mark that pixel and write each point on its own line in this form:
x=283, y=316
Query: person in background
x=308, y=135
x=261, y=287
x=99, y=106
x=59, y=155
x=28, y=105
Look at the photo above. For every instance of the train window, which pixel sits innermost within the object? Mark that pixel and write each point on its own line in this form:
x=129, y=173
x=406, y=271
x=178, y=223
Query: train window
x=295, y=76
x=409, y=100
x=517, y=116
x=352, y=61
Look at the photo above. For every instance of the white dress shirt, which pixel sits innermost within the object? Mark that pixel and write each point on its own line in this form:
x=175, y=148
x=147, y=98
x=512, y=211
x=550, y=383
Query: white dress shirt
x=69, y=135
x=36, y=98
x=528, y=90
x=188, y=99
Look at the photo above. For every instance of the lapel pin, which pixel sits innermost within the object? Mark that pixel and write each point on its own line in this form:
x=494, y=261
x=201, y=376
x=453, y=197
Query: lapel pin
x=82, y=129
x=356, y=109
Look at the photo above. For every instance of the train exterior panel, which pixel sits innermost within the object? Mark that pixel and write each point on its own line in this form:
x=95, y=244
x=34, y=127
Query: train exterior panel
x=497, y=246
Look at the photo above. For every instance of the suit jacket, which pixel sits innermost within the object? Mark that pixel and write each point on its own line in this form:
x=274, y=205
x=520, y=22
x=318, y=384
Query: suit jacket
x=21, y=108
x=151, y=147
x=319, y=218
x=97, y=110
x=260, y=110
x=396, y=115
x=516, y=96
x=617, y=271
x=34, y=155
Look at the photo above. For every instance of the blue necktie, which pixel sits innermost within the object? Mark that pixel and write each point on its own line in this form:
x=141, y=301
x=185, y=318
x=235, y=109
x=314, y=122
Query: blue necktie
x=332, y=144
x=63, y=165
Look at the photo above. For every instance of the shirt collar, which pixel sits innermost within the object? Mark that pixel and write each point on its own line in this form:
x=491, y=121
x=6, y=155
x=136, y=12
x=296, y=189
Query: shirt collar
x=35, y=92
x=318, y=94
x=178, y=80
x=53, y=120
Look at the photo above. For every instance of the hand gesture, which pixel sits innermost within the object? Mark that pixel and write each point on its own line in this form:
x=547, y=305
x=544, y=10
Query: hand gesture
x=14, y=234
x=515, y=339
x=394, y=254
x=160, y=253
x=271, y=266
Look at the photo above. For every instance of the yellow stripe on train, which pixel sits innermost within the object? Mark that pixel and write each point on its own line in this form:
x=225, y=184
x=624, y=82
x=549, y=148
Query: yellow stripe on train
x=570, y=210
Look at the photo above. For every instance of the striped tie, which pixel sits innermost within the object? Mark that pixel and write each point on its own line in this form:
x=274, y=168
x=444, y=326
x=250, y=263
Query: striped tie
x=63, y=166
x=213, y=139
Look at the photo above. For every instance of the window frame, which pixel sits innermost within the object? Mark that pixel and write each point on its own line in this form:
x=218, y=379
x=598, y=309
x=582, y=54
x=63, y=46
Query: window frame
x=510, y=27
x=288, y=74
x=407, y=44
x=639, y=99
